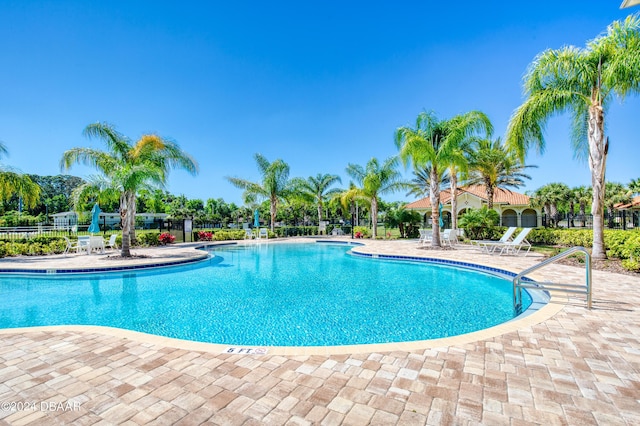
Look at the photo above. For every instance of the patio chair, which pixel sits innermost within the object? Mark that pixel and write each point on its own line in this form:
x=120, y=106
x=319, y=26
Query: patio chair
x=71, y=246
x=248, y=234
x=83, y=244
x=425, y=236
x=505, y=237
x=96, y=243
x=513, y=247
x=449, y=237
x=111, y=243
x=263, y=233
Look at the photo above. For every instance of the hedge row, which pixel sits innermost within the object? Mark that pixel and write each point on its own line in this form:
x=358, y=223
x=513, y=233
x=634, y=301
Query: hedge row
x=624, y=245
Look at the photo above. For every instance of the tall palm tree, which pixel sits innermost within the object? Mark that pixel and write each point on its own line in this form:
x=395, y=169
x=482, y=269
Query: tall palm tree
x=582, y=82
x=317, y=189
x=375, y=180
x=438, y=144
x=274, y=187
x=127, y=167
x=13, y=183
x=495, y=166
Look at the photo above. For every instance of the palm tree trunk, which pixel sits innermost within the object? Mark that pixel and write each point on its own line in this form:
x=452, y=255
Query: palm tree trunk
x=319, y=213
x=434, y=197
x=125, y=220
x=132, y=230
x=374, y=216
x=572, y=207
x=272, y=211
x=597, y=161
x=454, y=200
x=582, y=213
x=490, y=191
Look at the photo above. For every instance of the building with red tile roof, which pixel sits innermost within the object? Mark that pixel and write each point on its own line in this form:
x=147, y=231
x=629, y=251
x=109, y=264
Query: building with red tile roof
x=513, y=207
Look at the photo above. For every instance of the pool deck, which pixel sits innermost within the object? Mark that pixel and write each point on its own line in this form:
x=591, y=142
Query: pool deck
x=562, y=365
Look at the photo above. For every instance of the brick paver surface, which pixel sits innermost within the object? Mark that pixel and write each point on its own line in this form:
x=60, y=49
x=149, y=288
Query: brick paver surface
x=579, y=367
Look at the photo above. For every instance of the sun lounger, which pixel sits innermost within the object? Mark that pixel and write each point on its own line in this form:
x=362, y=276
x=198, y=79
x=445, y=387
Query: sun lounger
x=510, y=247
x=425, y=236
x=485, y=244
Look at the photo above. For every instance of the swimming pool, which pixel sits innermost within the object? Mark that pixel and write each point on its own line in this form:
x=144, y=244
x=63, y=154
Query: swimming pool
x=269, y=295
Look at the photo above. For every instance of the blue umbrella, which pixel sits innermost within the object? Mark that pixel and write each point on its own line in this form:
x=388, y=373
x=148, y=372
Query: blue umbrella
x=440, y=221
x=94, y=228
x=256, y=219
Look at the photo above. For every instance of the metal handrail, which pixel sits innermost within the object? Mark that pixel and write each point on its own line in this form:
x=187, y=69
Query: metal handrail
x=568, y=288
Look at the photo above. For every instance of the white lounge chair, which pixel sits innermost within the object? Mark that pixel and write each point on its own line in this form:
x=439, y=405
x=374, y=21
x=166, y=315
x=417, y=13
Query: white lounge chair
x=71, y=246
x=248, y=234
x=449, y=237
x=111, y=243
x=505, y=237
x=425, y=236
x=513, y=247
x=263, y=233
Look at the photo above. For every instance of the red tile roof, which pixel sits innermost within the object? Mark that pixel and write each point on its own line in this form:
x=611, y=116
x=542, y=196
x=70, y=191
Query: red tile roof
x=500, y=196
x=635, y=202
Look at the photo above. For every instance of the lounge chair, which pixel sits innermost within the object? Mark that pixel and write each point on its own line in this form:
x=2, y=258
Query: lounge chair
x=505, y=237
x=513, y=247
x=111, y=243
x=248, y=234
x=449, y=237
x=425, y=236
x=263, y=233
x=71, y=246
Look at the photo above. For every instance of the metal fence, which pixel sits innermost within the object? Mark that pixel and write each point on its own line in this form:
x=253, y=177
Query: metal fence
x=624, y=220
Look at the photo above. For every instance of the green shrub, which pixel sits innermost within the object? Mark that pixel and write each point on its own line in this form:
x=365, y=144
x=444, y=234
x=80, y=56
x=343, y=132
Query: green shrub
x=543, y=236
x=228, y=234
x=364, y=231
x=143, y=239
x=17, y=248
x=481, y=224
x=631, y=264
x=298, y=231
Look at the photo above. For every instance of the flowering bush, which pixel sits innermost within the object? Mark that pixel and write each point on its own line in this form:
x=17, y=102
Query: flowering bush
x=205, y=236
x=358, y=234
x=166, y=238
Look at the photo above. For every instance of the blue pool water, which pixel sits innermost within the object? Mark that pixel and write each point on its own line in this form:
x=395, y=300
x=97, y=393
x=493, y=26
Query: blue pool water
x=269, y=295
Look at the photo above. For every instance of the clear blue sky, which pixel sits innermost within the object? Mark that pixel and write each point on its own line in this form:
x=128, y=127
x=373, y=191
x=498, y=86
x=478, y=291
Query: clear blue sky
x=318, y=84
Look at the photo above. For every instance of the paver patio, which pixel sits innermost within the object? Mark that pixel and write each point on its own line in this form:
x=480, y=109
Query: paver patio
x=577, y=367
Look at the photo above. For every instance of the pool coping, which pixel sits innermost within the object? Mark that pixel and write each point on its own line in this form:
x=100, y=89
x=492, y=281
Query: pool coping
x=540, y=313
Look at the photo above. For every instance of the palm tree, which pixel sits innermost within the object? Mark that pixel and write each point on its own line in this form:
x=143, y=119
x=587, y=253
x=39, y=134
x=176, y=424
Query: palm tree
x=582, y=195
x=439, y=144
x=275, y=184
x=582, y=82
x=493, y=165
x=634, y=186
x=420, y=185
x=14, y=183
x=549, y=196
x=316, y=189
x=615, y=193
x=127, y=168
x=375, y=180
